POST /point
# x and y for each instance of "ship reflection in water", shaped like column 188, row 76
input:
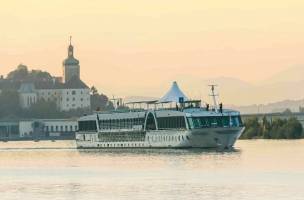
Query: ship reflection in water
column 57, row 170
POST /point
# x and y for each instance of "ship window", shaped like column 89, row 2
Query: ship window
column 86, row 126
column 150, row 123
column 214, row 121
column 225, row 121
column 174, row 122
column 236, row 121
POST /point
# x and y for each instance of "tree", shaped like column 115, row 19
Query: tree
column 93, row 90
column 44, row 109
column 277, row 131
column 253, row 128
column 287, row 111
column 9, row 104
column 293, row 129
column 99, row 101
column 38, row 75
column 266, row 126
column 20, row 73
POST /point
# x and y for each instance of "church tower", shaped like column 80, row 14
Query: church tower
column 71, row 66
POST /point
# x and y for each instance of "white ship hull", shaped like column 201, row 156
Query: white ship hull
column 197, row 138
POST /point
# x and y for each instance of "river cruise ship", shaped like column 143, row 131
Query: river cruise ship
column 182, row 124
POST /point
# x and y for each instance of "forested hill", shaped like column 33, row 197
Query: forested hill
column 9, row 97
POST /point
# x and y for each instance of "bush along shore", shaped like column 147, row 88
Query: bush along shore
column 272, row 129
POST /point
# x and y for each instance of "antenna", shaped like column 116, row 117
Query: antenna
column 213, row 95
column 70, row 39
column 116, row 102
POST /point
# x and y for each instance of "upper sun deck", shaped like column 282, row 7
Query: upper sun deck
column 160, row 112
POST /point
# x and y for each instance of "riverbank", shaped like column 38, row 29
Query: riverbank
column 276, row 128
column 36, row 139
column 41, row 144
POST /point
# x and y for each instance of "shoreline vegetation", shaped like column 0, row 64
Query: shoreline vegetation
column 272, row 129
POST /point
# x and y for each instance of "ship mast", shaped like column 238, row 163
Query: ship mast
column 213, row 95
column 116, row 102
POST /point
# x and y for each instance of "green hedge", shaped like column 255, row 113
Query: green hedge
column 275, row 129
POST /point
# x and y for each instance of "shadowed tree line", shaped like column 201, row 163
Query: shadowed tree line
column 10, row 107
column 23, row 74
column 275, row 129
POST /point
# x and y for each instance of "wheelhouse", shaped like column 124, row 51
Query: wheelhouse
column 196, row 122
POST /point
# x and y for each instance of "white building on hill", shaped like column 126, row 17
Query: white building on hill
column 72, row 94
column 27, row 95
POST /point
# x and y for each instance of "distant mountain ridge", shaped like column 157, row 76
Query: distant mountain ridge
column 292, row 74
column 275, row 107
column 285, row 90
column 287, row 84
column 279, row 92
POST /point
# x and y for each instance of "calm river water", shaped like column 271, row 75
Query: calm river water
column 257, row 169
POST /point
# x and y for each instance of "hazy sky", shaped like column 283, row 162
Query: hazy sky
column 138, row 47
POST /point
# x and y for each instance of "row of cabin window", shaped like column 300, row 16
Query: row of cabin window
column 73, row 93
column 121, row 137
column 87, row 125
column 60, row 128
column 171, row 122
column 121, row 145
column 219, row 121
column 125, row 123
column 6, row 130
column 167, row 138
